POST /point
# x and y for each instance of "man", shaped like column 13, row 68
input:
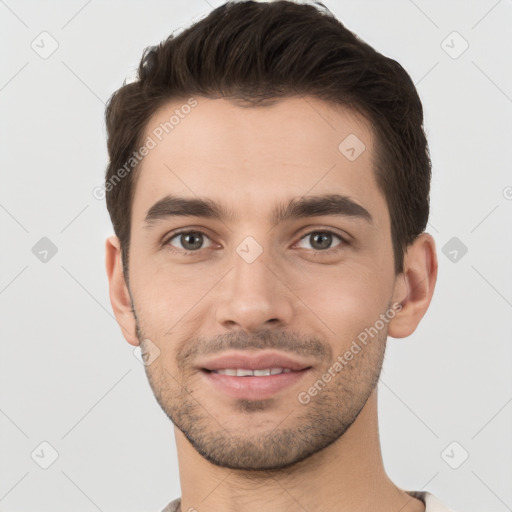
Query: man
column 269, row 189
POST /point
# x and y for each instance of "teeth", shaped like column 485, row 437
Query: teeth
column 260, row 373
column 242, row 372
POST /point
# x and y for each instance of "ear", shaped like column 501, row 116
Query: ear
column 414, row 286
column 119, row 294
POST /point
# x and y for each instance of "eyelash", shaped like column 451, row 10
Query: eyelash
column 185, row 252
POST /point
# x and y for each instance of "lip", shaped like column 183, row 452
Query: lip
column 253, row 387
column 255, row 361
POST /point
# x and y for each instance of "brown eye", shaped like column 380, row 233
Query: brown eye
column 189, row 240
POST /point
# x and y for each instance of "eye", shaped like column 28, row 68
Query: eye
column 189, row 241
column 321, row 240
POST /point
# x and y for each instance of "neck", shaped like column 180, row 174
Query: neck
column 347, row 476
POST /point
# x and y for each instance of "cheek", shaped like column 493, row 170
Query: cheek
column 345, row 300
column 167, row 297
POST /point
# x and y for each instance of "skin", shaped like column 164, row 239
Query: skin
column 298, row 295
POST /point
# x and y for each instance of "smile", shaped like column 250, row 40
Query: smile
column 243, row 372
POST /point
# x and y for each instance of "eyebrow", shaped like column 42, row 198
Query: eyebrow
column 306, row 206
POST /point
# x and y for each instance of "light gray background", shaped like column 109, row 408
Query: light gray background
column 67, row 377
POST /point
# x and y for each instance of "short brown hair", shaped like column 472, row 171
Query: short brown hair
column 259, row 52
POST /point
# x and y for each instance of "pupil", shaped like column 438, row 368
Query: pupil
column 324, row 240
column 191, row 245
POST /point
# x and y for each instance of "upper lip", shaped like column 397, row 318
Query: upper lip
column 255, row 361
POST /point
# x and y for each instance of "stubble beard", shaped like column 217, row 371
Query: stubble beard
column 301, row 430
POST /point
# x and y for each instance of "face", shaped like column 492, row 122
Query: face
column 260, row 252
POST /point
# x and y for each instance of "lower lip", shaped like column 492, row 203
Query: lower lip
column 253, row 388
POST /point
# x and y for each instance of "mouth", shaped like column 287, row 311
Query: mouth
column 253, row 377
column 246, row 372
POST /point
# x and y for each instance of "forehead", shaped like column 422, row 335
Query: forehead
column 247, row 157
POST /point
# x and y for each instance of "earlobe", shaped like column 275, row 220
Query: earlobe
column 415, row 286
column 118, row 291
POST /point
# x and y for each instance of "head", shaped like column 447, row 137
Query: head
column 268, row 186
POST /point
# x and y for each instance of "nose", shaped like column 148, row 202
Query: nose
column 254, row 296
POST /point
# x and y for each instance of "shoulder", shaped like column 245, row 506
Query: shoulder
column 432, row 503
column 174, row 506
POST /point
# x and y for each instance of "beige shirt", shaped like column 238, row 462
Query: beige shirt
column 432, row 504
